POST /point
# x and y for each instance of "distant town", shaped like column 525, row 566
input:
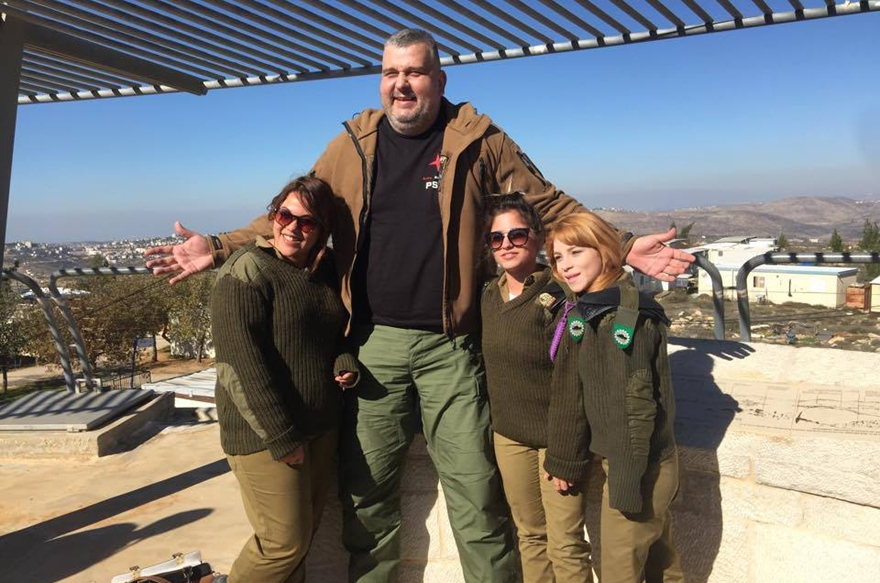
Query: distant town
column 39, row 260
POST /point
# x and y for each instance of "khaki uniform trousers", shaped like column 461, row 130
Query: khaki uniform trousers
column 284, row 505
column 639, row 547
column 550, row 525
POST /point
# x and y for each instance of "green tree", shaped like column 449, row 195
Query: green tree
column 115, row 310
column 12, row 339
column 870, row 241
column 189, row 315
column 685, row 232
column 836, row 242
column 782, row 241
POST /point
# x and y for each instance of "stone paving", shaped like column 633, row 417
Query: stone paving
column 796, row 499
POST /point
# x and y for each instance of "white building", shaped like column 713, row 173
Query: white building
column 807, row 284
column 875, row 295
column 737, row 250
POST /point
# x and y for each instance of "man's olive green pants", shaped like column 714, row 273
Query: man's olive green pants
column 409, row 376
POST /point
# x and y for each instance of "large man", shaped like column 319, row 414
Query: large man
column 414, row 177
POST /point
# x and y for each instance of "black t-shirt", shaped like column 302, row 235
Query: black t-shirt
column 399, row 273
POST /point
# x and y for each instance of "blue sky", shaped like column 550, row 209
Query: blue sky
column 749, row 115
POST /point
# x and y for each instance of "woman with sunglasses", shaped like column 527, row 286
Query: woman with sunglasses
column 518, row 317
column 612, row 396
column 278, row 325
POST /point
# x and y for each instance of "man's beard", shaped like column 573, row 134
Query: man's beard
column 410, row 124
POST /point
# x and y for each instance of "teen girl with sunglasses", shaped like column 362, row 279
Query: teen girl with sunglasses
column 278, row 324
column 612, row 396
column 518, row 311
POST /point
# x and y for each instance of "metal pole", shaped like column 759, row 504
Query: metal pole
column 742, row 276
column 134, row 350
column 46, row 305
column 78, row 341
column 717, row 293
column 11, row 45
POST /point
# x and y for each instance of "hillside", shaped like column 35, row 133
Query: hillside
column 798, row 218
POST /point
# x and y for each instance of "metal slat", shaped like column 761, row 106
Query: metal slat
column 571, row 17
column 373, row 13
column 97, row 39
column 36, row 58
column 74, row 48
column 62, row 74
column 306, row 17
column 731, row 9
column 564, row 32
column 247, row 16
column 796, row 4
column 457, row 7
column 346, row 17
column 53, row 82
column 634, row 14
column 148, row 32
column 233, row 31
column 161, row 24
column 604, row 16
column 763, row 7
column 698, row 10
column 437, row 31
column 458, row 25
column 513, row 21
column 37, row 89
column 667, row 13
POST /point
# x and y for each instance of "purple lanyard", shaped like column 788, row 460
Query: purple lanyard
column 560, row 328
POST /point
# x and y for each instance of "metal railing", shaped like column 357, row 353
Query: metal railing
column 64, row 307
column 742, row 292
column 46, row 302
column 717, row 293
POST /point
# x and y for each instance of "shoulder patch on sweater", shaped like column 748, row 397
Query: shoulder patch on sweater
column 243, row 266
column 552, row 297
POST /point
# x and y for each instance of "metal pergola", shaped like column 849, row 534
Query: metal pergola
column 69, row 50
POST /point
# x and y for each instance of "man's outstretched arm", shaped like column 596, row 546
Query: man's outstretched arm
column 200, row 252
column 187, row 258
column 650, row 255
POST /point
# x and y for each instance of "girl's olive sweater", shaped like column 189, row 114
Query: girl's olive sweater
column 617, row 403
column 277, row 332
column 516, row 339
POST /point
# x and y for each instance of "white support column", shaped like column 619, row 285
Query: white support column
column 11, row 45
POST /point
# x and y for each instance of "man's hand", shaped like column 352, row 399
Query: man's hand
column 294, row 458
column 346, row 379
column 185, row 259
column 651, row 256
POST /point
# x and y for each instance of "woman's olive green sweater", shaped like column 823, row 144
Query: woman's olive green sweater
column 277, row 332
column 516, row 339
column 617, row 403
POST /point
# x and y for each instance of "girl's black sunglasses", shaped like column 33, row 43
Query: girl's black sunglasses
column 517, row 237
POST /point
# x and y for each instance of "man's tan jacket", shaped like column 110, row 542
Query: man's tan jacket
column 477, row 159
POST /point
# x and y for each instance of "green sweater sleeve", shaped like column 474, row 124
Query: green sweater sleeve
column 346, row 361
column 244, row 355
column 568, row 433
column 640, row 405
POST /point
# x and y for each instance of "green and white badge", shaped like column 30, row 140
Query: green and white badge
column 576, row 328
column 623, row 335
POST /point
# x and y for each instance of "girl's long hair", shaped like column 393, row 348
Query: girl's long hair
column 586, row 229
